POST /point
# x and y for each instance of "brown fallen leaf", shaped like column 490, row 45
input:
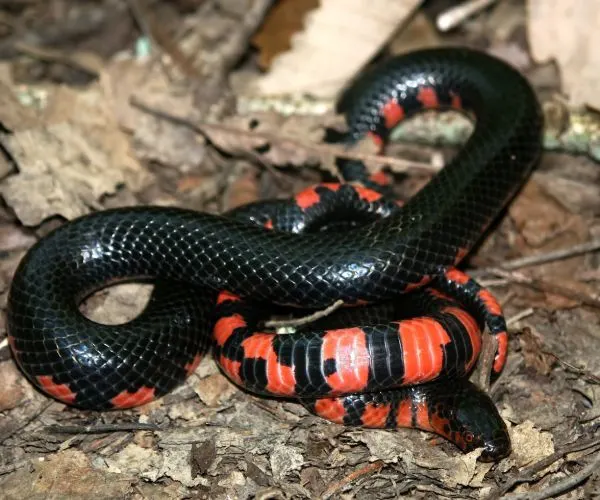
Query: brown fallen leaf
column 532, row 349
column 214, row 389
column 545, row 225
column 11, row 391
column 273, row 139
column 243, row 190
column 348, row 33
column 68, row 474
column 284, row 19
column 153, row 140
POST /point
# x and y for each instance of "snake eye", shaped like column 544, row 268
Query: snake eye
column 469, row 437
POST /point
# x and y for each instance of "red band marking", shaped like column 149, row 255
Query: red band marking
column 348, row 347
column 413, row 286
column 393, row 113
column 404, row 414
column 128, row 399
column 331, row 409
column 422, row 340
column 502, row 352
column 377, row 140
column 366, row 194
column 309, row 197
column 12, row 342
column 457, row 276
column 460, row 255
column 226, row 297
column 224, row 328
column 280, row 378
column 380, row 178
column 231, row 369
column 439, row 425
column 440, row 295
column 470, row 325
column 191, row 367
column 428, row 98
column 375, row 416
column 422, row 417
column 491, row 304
column 62, row 392
column 456, row 101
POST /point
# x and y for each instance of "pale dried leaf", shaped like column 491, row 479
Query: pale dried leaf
column 154, row 139
column 67, row 474
column 71, row 160
column 529, row 444
column 214, row 389
column 61, row 173
column 347, row 33
column 421, row 456
column 11, row 391
column 289, row 140
column 134, row 459
column 567, row 32
column 285, row 459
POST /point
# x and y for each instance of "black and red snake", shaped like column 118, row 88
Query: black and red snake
column 418, row 334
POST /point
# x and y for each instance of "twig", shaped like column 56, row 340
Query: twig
column 486, row 360
column 518, row 317
column 576, row 369
column 487, row 283
column 238, row 42
column 590, row 299
column 276, row 323
column 527, row 474
column 100, row 428
column 67, row 58
column 544, row 258
column 322, row 150
column 363, row 471
column 562, row 485
column 213, row 86
column 453, row 16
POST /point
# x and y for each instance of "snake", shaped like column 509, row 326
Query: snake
column 218, row 276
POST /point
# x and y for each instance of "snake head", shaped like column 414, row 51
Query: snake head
column 467, row 417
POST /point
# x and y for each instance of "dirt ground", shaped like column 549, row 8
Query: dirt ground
column 120, row 103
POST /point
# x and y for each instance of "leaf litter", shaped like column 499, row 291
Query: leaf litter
column 73, row 148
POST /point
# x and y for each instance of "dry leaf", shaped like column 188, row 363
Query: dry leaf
column 567, row 32
column 532, row 349
column 544, row 223
column 274, row 139
column 284, row 19
column 68, row 474
column 529, row 444
column 11, row 391
column 155, row 140
column 68, row 161
column 341, row 36
column 214, row 389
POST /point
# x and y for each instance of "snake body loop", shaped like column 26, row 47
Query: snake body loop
column 393, row 252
